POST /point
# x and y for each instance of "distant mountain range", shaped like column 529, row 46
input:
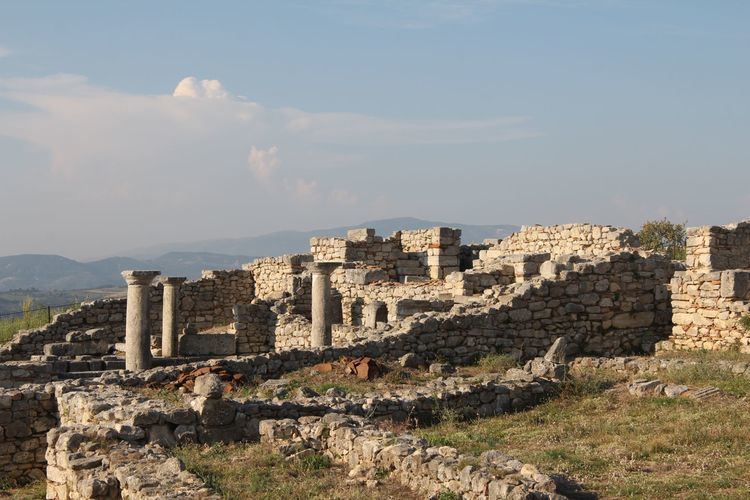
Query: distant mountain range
column 283, row 242
column 54, row 272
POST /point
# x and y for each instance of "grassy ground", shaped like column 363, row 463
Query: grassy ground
column 626, row 447
column 33, row 491
column 9, row 326
column 255, row 471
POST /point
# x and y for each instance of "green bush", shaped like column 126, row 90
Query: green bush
column 665, row 237
column 745, row 322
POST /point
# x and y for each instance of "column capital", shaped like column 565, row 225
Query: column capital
column 323, row 266
column 140, row 277
column 174, row 280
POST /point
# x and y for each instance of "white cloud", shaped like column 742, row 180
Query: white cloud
column 264, row 163
column 203, row 161
column 4, row 51
column 203, row 89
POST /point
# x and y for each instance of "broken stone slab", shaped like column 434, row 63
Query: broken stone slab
column 556, row 352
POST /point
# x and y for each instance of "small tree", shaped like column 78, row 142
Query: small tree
column 664, row 237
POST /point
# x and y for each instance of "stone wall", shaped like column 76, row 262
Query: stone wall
column 711, row 296
column 205, row 303
column 25, row 417
column 432, row 471
column 276, row 276
column 109, row 313
column 253, row 326
column 717, row 248
column 430, row 252
column 586, row 240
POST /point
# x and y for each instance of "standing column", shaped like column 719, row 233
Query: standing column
column 137, row 331
column 321, row 302
column 170, row 316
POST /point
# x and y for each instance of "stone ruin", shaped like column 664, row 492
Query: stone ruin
column 582, row 292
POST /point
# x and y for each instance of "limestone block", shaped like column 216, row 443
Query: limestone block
column 361, row 235
column 735, row 283
column 208, row 344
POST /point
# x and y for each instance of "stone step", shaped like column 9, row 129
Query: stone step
column 78, row 375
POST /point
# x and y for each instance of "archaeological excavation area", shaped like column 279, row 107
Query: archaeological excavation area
column 561, row 362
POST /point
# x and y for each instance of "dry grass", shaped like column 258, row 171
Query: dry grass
column 621, row 446
column 33, row 491
column 240, row 471
column 9, row 326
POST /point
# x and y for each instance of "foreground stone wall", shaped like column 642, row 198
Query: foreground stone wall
column 711, row 296
column 25, row 417
column 433, row 471
column 586, row 240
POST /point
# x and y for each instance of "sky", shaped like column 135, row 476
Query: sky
column 128, row 124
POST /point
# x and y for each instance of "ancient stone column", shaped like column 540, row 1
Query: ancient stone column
column 170, row 316
column 137, row 331
column 321, row 302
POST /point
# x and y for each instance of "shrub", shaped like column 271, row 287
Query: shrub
column 664, row 237
column 745, row 322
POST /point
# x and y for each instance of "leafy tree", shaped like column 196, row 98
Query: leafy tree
column 664, row 237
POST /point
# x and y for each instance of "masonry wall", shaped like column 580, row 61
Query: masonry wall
column 586, row 240
column 25, row 417
column 718, row 248
column 206, row 302
column 711, row 296
column 100, row 313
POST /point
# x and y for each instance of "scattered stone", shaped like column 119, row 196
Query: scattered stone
column 209, row 385
column 442, row 368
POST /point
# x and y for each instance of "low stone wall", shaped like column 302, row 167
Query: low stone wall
column 706, row 309
column 100, row 462
column 105, row 313
column 637, row 365
column 205, row 303
column 587, row 240
column 18, row 373
column 429, row 470
column 25, row 417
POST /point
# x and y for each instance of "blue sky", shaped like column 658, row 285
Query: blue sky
column 335, row 112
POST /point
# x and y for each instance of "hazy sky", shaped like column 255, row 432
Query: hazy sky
column 125, row 124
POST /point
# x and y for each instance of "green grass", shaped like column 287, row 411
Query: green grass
column 9, row 326
column 33, row 491
column 621, row 446
column 239, row 471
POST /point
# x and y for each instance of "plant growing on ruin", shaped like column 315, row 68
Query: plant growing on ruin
column 745, row 322
column 665, row 237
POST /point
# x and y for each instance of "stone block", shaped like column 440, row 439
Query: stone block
column 208, row 344
column 735, row 284
column 360, row 234
column 365, row 276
